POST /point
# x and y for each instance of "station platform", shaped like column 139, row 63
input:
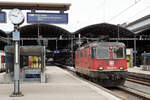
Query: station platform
column 138, row 72
column 61, row 85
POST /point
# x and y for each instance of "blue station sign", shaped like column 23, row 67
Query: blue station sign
column 56, row 51
column 2, row 17
column 47, row 17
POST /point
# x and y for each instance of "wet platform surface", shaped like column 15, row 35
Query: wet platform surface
column 138, row 70
column 138, row 73
column 61, row 85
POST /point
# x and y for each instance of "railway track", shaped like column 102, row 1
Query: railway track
column 138, row 81
column 135, row 93
column 129, row 94
column 139, row 78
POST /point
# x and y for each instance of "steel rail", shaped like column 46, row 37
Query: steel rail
column 138, row 81
column 135, row 92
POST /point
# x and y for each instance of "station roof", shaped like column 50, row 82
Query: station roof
column 45, row 31
column 35, row 6
column 26, row 50
column 104, row 29
column 139, row 25
column 52, row 31
column 138, row 20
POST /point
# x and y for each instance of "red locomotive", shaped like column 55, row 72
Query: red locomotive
column 102, row 61
column 2, row 61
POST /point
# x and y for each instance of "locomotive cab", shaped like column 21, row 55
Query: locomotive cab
column 109, row 58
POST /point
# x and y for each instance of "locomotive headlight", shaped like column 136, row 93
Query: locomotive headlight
column 100, row 68
column 121, row 68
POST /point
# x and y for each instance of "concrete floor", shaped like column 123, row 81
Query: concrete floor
column 61, row 86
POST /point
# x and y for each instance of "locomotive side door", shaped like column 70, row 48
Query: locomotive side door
column 89, row 58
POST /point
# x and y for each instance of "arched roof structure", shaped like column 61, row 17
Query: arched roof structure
column 104, row 29
column 2, row 33
column 45, row 31
column 144, row 32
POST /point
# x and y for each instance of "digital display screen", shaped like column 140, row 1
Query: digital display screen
column 47, row 18
column 2, row 17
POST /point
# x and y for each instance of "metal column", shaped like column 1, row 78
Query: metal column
column 16, row 38
column 16, row 69
column 118, row 33
column 135, row 51
column 72, row 51
column 56, row 45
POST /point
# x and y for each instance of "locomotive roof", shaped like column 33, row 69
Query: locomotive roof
column 103, row 44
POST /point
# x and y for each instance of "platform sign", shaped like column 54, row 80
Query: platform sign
column 2, row 17
column 47, row 18
column 56, row 51
column 16, row 36
column 134, row 52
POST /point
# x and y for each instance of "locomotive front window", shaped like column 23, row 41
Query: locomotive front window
column 118, row 52
column 102, row 52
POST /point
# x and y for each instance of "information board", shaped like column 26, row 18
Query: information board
column 2, row 17
column 16, row 36
column 47, row 17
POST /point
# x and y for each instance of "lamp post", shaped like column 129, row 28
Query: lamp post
column 16, row 17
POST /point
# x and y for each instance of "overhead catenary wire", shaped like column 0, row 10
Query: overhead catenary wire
column 117, row 15
column 138, row 13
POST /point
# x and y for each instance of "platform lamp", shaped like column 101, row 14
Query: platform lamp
column 17, row 18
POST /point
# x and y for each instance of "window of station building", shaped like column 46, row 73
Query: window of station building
column 85, row 53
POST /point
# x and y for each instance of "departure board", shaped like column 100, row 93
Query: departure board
column 47, row 18
column 2, row 17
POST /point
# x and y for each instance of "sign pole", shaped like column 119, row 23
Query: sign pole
column 135, row 51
